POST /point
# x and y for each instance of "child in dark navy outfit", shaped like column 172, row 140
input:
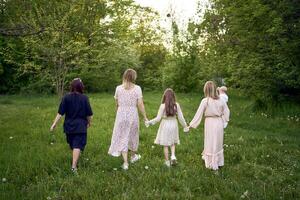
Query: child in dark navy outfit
column 78, row 113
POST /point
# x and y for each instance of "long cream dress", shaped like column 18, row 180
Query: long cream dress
column 168, row 133
column 216, row 112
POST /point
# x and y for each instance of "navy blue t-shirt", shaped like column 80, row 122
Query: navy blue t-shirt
column 77, row 108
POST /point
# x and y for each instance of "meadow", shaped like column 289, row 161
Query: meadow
column 262, row 154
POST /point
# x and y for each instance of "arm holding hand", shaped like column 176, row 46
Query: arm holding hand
column 142, row 108
column 198, row 116
column 158, row 116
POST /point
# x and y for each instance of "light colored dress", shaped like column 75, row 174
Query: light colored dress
column 214, row 111
column 168, row 133
column 126, row 128
column 224, row 97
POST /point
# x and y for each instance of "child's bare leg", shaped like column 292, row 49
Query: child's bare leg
column 76, row 154
column 125, row 157
column 166, row 152
column 173, row 151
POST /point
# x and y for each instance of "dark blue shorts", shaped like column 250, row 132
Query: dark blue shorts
column 77, row 141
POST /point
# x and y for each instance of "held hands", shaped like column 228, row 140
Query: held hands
column 147, row 123
column 186, row 129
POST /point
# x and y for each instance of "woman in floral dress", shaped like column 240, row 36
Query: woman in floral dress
column 129, row 100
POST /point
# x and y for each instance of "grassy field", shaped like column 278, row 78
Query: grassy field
column 262, row 155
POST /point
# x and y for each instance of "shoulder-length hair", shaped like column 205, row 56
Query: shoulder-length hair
column 77, row 86
column 170, row 102
column 129, row 78
column 210, row 90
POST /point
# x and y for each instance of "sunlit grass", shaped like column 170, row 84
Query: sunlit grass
column 261, row 155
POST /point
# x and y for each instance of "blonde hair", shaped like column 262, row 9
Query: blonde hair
column 223, row 88
column 129, row 78
column 210, row 90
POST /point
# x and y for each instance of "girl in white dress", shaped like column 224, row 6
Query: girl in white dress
column 167, row 134
column 215, row 110
column 222, row 94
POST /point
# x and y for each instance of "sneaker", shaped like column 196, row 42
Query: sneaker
column 135, row 158
column 173, row 160
column 125, row 166
column 167, row 163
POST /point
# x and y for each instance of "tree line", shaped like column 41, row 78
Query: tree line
column 252, row 45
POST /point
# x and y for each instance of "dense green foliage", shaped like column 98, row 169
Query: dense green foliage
column 261, row 155
column 53, row 42
column 253, row 45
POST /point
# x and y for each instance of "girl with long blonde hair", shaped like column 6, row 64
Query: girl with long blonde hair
column 216, row 113
column 129, row 99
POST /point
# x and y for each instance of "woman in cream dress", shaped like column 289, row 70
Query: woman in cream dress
column 216, row 113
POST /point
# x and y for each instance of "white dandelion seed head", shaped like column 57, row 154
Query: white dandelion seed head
column 4, row 180
column 11, row 137
column 115, row 169
column 146, row 167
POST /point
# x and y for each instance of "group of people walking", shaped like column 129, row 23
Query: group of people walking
column 129, row 102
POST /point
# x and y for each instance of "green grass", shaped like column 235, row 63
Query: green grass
column 262, row 155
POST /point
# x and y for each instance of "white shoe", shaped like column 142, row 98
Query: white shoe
column 173, row 160
column 167, row 163
column 125, row 166
column 135, row 158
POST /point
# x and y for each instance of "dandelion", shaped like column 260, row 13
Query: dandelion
column 115, row 169
column 4, row 180
column 87, row 159
column 48, row 198
column 51, row 143
column 11, row 137
column 103, row 171
column 268, row 156
column 225, row 145
column 146, row 167
column 152, row 147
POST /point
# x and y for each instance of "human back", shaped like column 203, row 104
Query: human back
column 128, row 97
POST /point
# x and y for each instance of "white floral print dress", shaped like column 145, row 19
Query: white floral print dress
column 126, row 128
